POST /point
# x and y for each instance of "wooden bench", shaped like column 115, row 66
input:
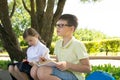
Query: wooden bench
column 105, row 57
column 98, row 57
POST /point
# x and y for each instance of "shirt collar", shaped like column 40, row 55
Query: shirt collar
column 68, row 44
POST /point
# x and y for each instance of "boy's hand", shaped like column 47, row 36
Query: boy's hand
column 62, row 65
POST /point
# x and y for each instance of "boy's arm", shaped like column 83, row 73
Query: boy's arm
column 83, row 67
column 56, row 58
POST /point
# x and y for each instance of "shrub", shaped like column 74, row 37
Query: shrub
column 107, row 45
column 110, row 45
column 114, row 71
column 92, row 46
column 52, row 48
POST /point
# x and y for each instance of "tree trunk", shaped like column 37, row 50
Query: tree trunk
column 9, row 40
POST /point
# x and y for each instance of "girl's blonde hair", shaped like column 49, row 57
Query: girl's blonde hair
column 32, row 32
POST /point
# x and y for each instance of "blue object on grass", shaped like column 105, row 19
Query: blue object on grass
column 100, row 75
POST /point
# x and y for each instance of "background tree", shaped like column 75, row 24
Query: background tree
column 21, row 19
column 7, row 34
column 84, row 34
column 89, row 35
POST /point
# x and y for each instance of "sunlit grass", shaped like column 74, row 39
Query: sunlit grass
column 3, row 53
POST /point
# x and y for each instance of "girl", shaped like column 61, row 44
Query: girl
column 36, row 50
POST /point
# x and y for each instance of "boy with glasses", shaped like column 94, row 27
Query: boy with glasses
column 70, row 53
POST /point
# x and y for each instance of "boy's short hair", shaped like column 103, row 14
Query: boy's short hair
column 71, row 19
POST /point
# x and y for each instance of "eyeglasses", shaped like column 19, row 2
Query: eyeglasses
column 61, row 25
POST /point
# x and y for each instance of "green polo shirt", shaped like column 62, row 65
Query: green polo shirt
column 72, row 52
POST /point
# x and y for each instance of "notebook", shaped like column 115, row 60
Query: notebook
column 47, row 63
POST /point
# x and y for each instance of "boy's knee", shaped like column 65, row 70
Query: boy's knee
column 33, row 74
column 40, row 73
column 43, row 72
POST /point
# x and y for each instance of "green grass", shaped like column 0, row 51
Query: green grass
column 4, row 64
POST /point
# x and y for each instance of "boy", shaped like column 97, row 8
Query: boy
column 71, row 54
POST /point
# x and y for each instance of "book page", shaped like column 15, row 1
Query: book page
column 47, row 63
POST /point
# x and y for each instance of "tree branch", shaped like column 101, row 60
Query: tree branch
column 26, row 7
column 59, row 10
column 34, row 23
column 32, row 6
column 50, row 6
column 0, row 10
column 4, row 14
column 57, row 14
column 0, row 15
column 0, row 31
column 13, row 9
column 40, row 6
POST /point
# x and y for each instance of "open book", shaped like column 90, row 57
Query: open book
column 47, row 63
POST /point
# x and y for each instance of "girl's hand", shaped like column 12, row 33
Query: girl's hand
column 62, row 65
column 24, row 60
column 42, row 59
column 31, row 63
